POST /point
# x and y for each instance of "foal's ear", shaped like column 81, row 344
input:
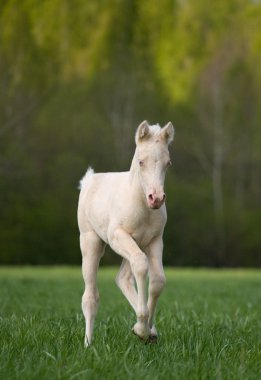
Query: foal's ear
column 143, row 132
column 168, row 132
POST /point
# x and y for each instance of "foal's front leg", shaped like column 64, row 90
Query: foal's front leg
column 156, row 279
column 123, row 244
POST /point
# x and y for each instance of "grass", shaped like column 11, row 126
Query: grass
column 209, row 324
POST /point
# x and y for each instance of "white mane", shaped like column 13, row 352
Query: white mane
column 154, row 129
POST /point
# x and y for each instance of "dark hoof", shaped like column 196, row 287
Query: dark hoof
column 152, row 339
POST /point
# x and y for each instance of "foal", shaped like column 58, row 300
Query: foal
column 127, row 211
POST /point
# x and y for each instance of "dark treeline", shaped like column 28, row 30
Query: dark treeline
column 76, row 78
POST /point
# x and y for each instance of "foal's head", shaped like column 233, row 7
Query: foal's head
column 153, row 158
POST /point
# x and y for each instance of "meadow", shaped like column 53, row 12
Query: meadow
column 208, row 321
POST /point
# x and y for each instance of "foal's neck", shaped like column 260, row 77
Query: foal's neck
column 133, row 168
column 135, row 184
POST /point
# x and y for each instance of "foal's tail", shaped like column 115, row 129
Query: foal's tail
column 85, row 179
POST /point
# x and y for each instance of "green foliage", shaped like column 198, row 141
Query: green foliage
column 75, row 81
column 209, row 327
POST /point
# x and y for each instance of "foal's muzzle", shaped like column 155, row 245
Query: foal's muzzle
column 155, row 201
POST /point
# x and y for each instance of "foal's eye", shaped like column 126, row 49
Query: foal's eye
column 141, row 162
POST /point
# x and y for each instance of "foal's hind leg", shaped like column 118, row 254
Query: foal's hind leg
column 92, row 249
column 126, row 282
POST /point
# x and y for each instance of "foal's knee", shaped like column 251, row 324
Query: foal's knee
column 157, row 284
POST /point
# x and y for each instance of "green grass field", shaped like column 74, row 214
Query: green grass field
column 209, row 324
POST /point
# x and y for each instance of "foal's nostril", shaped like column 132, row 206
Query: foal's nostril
column 156, row 199
column 151, row 197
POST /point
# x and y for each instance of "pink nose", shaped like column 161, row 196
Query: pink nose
column 156, row 200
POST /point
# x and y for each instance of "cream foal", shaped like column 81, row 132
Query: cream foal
column 127, row 211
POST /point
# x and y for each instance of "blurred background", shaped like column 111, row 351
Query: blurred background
column 76, row 79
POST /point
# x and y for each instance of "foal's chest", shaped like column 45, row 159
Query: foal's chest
column 144, row 229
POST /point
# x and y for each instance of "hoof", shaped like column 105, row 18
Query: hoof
column 151, row 339
column 86, row 343
column 142, row 332
column 142, row 338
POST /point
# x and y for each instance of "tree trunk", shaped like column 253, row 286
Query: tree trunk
column 217, row 173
